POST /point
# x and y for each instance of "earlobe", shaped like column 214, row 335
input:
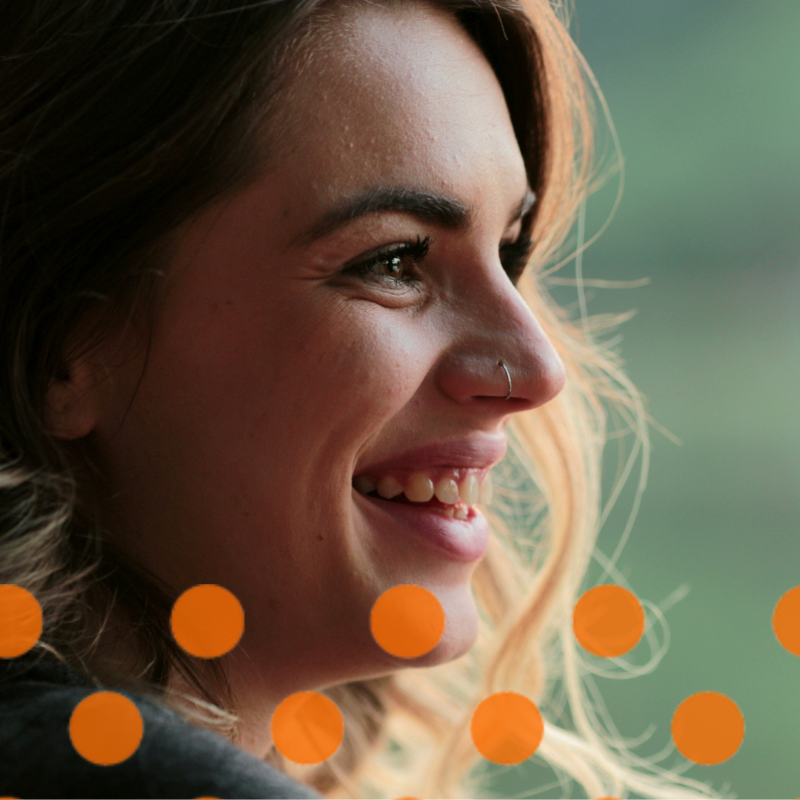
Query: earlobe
column 70, row 409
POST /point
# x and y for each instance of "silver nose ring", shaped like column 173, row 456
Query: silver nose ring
column 508, row 377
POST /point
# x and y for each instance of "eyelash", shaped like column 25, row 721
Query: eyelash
column 416, row 250
column 514, row 256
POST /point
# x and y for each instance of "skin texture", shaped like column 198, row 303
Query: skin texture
column 272, row 376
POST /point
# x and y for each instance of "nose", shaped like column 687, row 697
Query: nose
column 495, row 324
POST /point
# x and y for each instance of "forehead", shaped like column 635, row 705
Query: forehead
column 398, row 94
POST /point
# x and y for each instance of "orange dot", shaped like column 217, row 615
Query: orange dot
column 786, row 620
column 207, row 620
column 106, row 728
column 507, row 728
column 20, row 620
column 307, row 727
column 708, row 727
column 407, row 620
column 608, row 621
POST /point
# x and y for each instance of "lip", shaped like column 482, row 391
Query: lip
column 460, row 540
column 478, row 452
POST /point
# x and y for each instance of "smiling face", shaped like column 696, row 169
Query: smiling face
column 278, row 371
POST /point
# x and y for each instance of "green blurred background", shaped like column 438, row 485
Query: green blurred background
column 705, row 96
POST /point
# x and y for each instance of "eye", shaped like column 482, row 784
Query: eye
column 514, row 256
column 389, row 265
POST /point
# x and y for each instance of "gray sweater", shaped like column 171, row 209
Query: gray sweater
column 175, row 759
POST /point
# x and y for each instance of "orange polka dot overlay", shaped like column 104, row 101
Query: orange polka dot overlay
column 20, row 620
column 608, row 621
column 207, row 621
column 507, row 728
column 106, row 728
column 786, row 620
column 708, row 728
column 407, row 620
column 307, row 727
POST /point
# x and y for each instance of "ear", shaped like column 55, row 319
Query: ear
column 71, row 403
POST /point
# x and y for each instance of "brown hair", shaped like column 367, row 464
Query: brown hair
column 120, row 121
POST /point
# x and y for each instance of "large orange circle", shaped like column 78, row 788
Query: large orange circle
column 307, row 727
column 106, row 728
column 608, row 621
column 20, row 620
column 786, row 620
column 708, row 728
column 207, row 620
column 507, row 728
column 407, row 620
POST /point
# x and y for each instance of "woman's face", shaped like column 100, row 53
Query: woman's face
column 277, row 373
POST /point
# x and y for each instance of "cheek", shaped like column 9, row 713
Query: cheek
column 361, row 364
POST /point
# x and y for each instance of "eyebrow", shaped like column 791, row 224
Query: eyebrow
column 441, row 210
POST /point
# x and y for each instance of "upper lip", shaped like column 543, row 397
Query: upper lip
column 478, row 452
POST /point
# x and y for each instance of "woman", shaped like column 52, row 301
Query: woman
column 271, row 276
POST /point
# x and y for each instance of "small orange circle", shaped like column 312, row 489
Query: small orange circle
column 708, row 727
column 307, row 727
column 507, row 728
column 786, row 620
column 20, row 620
column 207, row 620
column 407, row 620
column 608, row 621
column 106, row 728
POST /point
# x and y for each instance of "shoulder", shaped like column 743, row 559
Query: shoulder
column 174, row 758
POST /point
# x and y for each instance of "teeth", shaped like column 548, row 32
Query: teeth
column 447, row 490
column 460, row 512
column 363, row 484
column 485, row 495
column 419, row 488
column 389, row 487
column 469, row 490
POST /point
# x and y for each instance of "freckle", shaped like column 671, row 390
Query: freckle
column 321, row 538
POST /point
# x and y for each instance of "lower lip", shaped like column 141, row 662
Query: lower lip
column 462, row 540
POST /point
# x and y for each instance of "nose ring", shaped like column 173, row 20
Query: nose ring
column 508, row 377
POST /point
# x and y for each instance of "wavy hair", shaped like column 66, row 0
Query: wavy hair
column 119, row 121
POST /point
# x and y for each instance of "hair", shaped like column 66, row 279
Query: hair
column 120, row 121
